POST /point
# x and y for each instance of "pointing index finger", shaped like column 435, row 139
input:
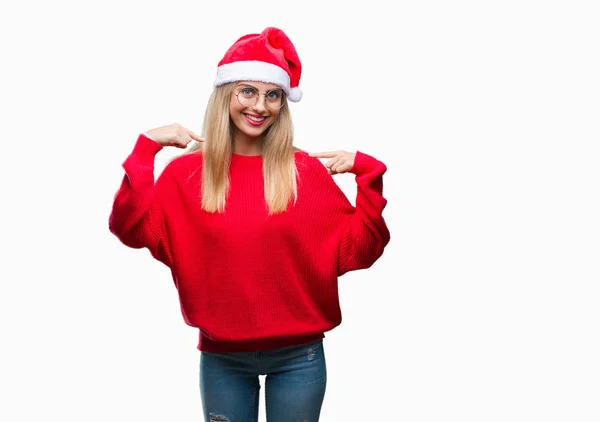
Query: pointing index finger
column 328, row 154
column 194, row 136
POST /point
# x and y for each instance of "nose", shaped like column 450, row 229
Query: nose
column 260, row 105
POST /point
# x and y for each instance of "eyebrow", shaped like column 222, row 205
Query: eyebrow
column 256, row 88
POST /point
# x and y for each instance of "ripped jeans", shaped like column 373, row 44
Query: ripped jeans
column 294, row 384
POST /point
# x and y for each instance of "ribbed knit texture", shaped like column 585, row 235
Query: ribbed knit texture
column 247, row 280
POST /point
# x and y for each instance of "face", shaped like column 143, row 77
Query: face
column 252, row 119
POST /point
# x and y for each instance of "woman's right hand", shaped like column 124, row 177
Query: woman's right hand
column 173, row 135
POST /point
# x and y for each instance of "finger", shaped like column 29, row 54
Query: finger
column 344, row 168
column 338, row 165
column 331, row 163
column 182, row 143
column 194, row 136
column 328, row 154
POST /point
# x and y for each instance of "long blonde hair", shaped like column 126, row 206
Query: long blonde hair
column 279, row 168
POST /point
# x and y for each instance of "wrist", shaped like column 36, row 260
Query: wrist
column 364, row 163
column 146, row 148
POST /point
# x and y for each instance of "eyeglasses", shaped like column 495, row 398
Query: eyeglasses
column 248, row 97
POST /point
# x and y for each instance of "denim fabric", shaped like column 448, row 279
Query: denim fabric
column 295, row 382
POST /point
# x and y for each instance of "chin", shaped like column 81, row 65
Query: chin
column 253, row 132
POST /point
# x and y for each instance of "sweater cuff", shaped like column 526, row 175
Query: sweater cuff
column 364, row 163
column 145, row 149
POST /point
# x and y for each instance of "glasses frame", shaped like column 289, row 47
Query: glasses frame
column 239, row 91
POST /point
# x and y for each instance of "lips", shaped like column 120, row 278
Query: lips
column 255, row 120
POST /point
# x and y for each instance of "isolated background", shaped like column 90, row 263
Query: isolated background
column 484, row 306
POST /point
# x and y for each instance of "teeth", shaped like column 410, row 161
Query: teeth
column 256, row 119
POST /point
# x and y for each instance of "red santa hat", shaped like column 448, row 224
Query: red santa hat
column 266, row 57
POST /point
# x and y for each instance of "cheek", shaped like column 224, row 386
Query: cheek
column 232, row 106
column 274, row 116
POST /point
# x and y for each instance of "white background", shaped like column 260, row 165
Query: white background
column 484, row 306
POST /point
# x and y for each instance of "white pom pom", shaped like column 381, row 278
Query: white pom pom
column 295, row 95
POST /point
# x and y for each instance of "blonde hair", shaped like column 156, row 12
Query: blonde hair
column 279, row 168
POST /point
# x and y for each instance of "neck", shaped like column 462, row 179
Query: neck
column 246, row 145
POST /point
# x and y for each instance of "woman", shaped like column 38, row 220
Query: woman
column 256, row 233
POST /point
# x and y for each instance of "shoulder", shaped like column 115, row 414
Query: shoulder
column 313, row 173
column 185, row 161
column 315, row 182
column 184, row 166
column 310, row 164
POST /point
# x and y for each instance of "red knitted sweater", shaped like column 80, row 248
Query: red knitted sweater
column 247, row 280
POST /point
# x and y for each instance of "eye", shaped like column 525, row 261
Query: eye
column 274, row 95
column 248, row 92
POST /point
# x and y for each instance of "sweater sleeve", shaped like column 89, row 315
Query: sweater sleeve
column 366, row 233
column 137, row 218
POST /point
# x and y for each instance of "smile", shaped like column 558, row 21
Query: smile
column 255, row 120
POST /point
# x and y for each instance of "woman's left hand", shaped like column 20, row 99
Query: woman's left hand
column 341, row 161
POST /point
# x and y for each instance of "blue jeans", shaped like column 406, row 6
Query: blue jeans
column 294, row 385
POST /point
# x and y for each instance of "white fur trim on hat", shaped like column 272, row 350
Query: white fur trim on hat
column 253, row 70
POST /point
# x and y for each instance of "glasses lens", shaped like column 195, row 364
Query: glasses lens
column 247, row 97
column 274, row 99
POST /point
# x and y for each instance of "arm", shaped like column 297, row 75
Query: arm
column 366, row 233
column 137, row 218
